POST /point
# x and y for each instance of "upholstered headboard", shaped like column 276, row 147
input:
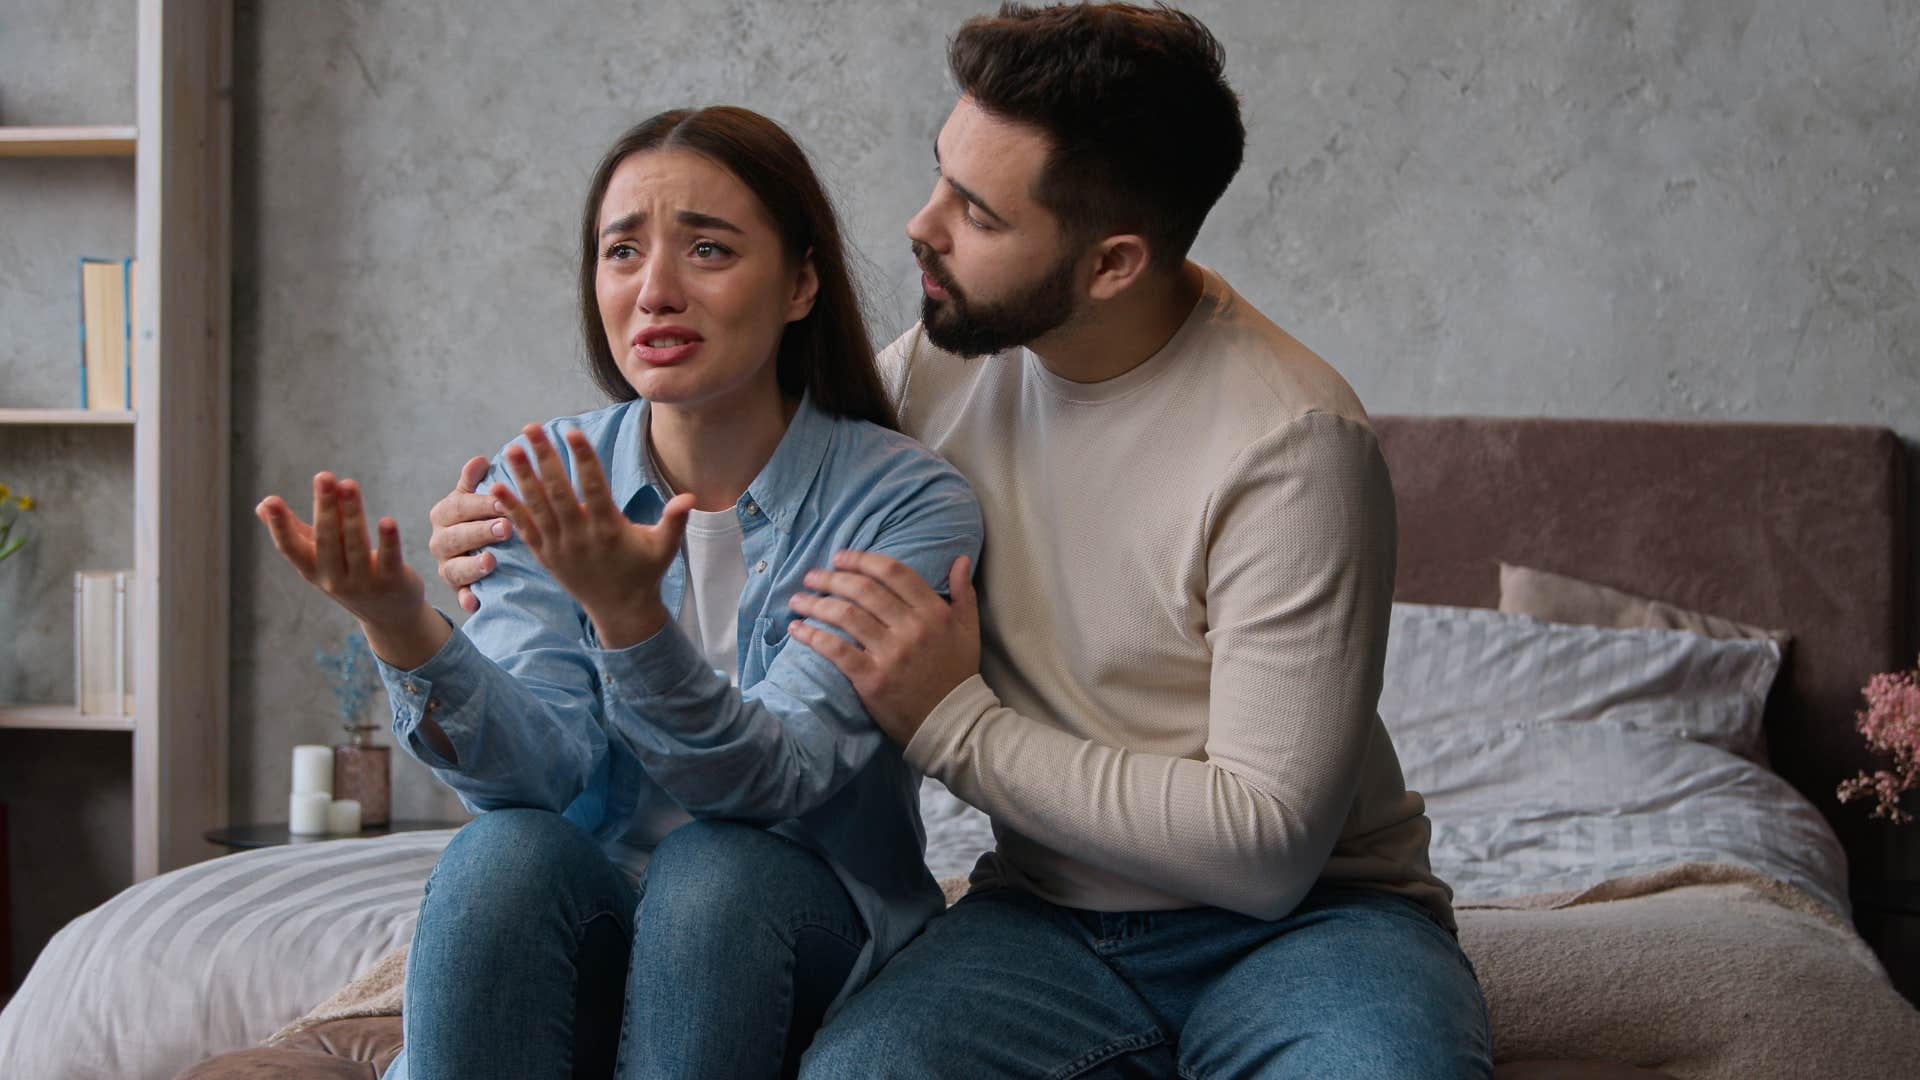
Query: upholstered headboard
column 1789, row 526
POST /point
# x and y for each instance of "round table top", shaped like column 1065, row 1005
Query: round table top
column 270, row 834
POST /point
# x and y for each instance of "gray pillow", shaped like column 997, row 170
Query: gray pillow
column 1554, row 757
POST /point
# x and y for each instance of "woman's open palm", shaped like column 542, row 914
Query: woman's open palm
column 376, row 586
column 612, row 566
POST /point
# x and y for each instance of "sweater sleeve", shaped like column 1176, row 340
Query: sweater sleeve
column 1300, row 544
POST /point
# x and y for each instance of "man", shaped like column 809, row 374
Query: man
column 1207, row 861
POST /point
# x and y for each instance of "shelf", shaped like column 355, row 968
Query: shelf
column 60, row 417
column 58, row 718
column 66, row 141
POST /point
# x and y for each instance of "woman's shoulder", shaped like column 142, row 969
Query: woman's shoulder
column 863, row 444
column 602, row 426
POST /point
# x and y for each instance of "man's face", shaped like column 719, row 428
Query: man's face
column 995, row 270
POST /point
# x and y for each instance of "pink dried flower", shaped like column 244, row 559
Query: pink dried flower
column 1891, row 724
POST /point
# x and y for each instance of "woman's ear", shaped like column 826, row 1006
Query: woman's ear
column 806, row 286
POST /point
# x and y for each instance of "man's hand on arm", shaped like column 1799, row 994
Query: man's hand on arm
column 910, row 647
column 464, row 523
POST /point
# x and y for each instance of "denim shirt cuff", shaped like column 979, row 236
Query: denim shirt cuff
column 412, row 695
column 655, row 667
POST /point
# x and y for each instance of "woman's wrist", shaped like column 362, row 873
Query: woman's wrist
column 629, row 624
column 410, row 643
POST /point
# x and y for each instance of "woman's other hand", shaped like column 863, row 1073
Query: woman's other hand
column 609, row 564
column 464, row 523
column 375, row 586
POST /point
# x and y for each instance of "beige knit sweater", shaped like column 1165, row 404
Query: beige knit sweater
column 1185, row 589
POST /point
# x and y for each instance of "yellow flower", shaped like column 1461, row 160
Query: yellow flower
column 4, row 492
column 25, row 501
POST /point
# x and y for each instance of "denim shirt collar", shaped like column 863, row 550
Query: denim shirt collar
column 777, row 491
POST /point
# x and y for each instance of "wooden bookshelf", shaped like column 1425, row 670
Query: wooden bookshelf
column 58, row 718
column 67, row 141
column 63, row 417
column 180, row 587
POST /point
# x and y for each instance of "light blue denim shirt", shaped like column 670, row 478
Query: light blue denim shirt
column 539, row 716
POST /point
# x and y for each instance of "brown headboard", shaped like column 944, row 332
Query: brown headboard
column 1793, row 526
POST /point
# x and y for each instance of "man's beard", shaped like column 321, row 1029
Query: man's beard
column 964, row 328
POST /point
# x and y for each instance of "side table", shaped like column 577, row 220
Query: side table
column 239, row 837
column 1887, row 914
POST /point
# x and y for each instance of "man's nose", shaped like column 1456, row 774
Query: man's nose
column 924, row 227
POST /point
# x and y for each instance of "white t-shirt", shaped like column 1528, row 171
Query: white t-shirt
column 716, row 576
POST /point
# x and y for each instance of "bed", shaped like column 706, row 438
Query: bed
column 1651, row 869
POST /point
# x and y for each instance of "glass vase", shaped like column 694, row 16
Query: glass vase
column 362, row 771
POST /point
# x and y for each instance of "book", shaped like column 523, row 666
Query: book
column 101, row 657
column 106, row 333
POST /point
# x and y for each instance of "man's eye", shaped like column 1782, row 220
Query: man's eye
column 966, row 211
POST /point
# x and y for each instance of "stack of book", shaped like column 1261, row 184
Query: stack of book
column 106, row 333
column 102, row 632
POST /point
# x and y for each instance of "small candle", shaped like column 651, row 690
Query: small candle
column 307, row 813
column 343, row 817
column 313, row 768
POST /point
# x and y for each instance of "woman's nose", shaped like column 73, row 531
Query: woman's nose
column 660, row 288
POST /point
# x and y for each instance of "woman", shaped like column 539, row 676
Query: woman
column 693, row 839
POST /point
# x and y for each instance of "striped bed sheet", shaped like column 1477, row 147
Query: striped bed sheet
column 222, row 954
column 212, row 957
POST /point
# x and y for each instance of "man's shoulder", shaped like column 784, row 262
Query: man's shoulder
column 1268, row 371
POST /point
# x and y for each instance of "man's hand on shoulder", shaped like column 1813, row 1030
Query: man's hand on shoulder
column 464, row 523
column 910, row 646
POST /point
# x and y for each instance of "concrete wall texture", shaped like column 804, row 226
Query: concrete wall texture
column 1618, row 208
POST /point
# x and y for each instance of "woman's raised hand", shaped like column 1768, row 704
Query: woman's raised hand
column 376, row 586
column 610, row 565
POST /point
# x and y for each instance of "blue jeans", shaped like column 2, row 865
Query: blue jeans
column 1354, row 983
column 534, row 957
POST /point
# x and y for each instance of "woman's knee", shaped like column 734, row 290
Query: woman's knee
column 504, row 859
column 729, row 868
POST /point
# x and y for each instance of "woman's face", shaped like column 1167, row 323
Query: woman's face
column 693, row 285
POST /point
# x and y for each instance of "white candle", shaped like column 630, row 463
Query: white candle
column 343, row 817
column 313, row 768
column 307, row 813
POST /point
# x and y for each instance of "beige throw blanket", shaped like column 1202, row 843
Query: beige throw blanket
column 1704, row 971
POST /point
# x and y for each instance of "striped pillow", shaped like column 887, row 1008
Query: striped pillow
column 1555, row 757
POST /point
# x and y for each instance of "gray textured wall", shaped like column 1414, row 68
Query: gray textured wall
column 1588, row 208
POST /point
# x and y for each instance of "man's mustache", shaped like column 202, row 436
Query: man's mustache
column 930, row 266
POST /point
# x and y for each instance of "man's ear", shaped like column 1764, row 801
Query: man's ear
column 1118, row 262
column 806, row 287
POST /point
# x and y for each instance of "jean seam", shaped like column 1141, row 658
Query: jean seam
column 1107, row 1052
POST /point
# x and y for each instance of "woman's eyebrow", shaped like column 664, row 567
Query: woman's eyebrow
column 630, row 222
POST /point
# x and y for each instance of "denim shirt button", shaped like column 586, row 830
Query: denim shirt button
column 752, row 507
column 760, row 567
column 410, row 686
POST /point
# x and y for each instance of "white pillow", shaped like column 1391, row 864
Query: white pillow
column 212, row 957
column 1554, row 757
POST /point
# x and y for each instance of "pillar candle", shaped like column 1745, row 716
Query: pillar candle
column 313, row 768
column 343, row 817
column 307, row 813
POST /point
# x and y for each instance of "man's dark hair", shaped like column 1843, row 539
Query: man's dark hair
column 1144, row 131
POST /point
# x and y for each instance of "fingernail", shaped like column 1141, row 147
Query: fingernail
column 812, row 578
column 500, row 529
column 793, row 625
column 499, row 507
